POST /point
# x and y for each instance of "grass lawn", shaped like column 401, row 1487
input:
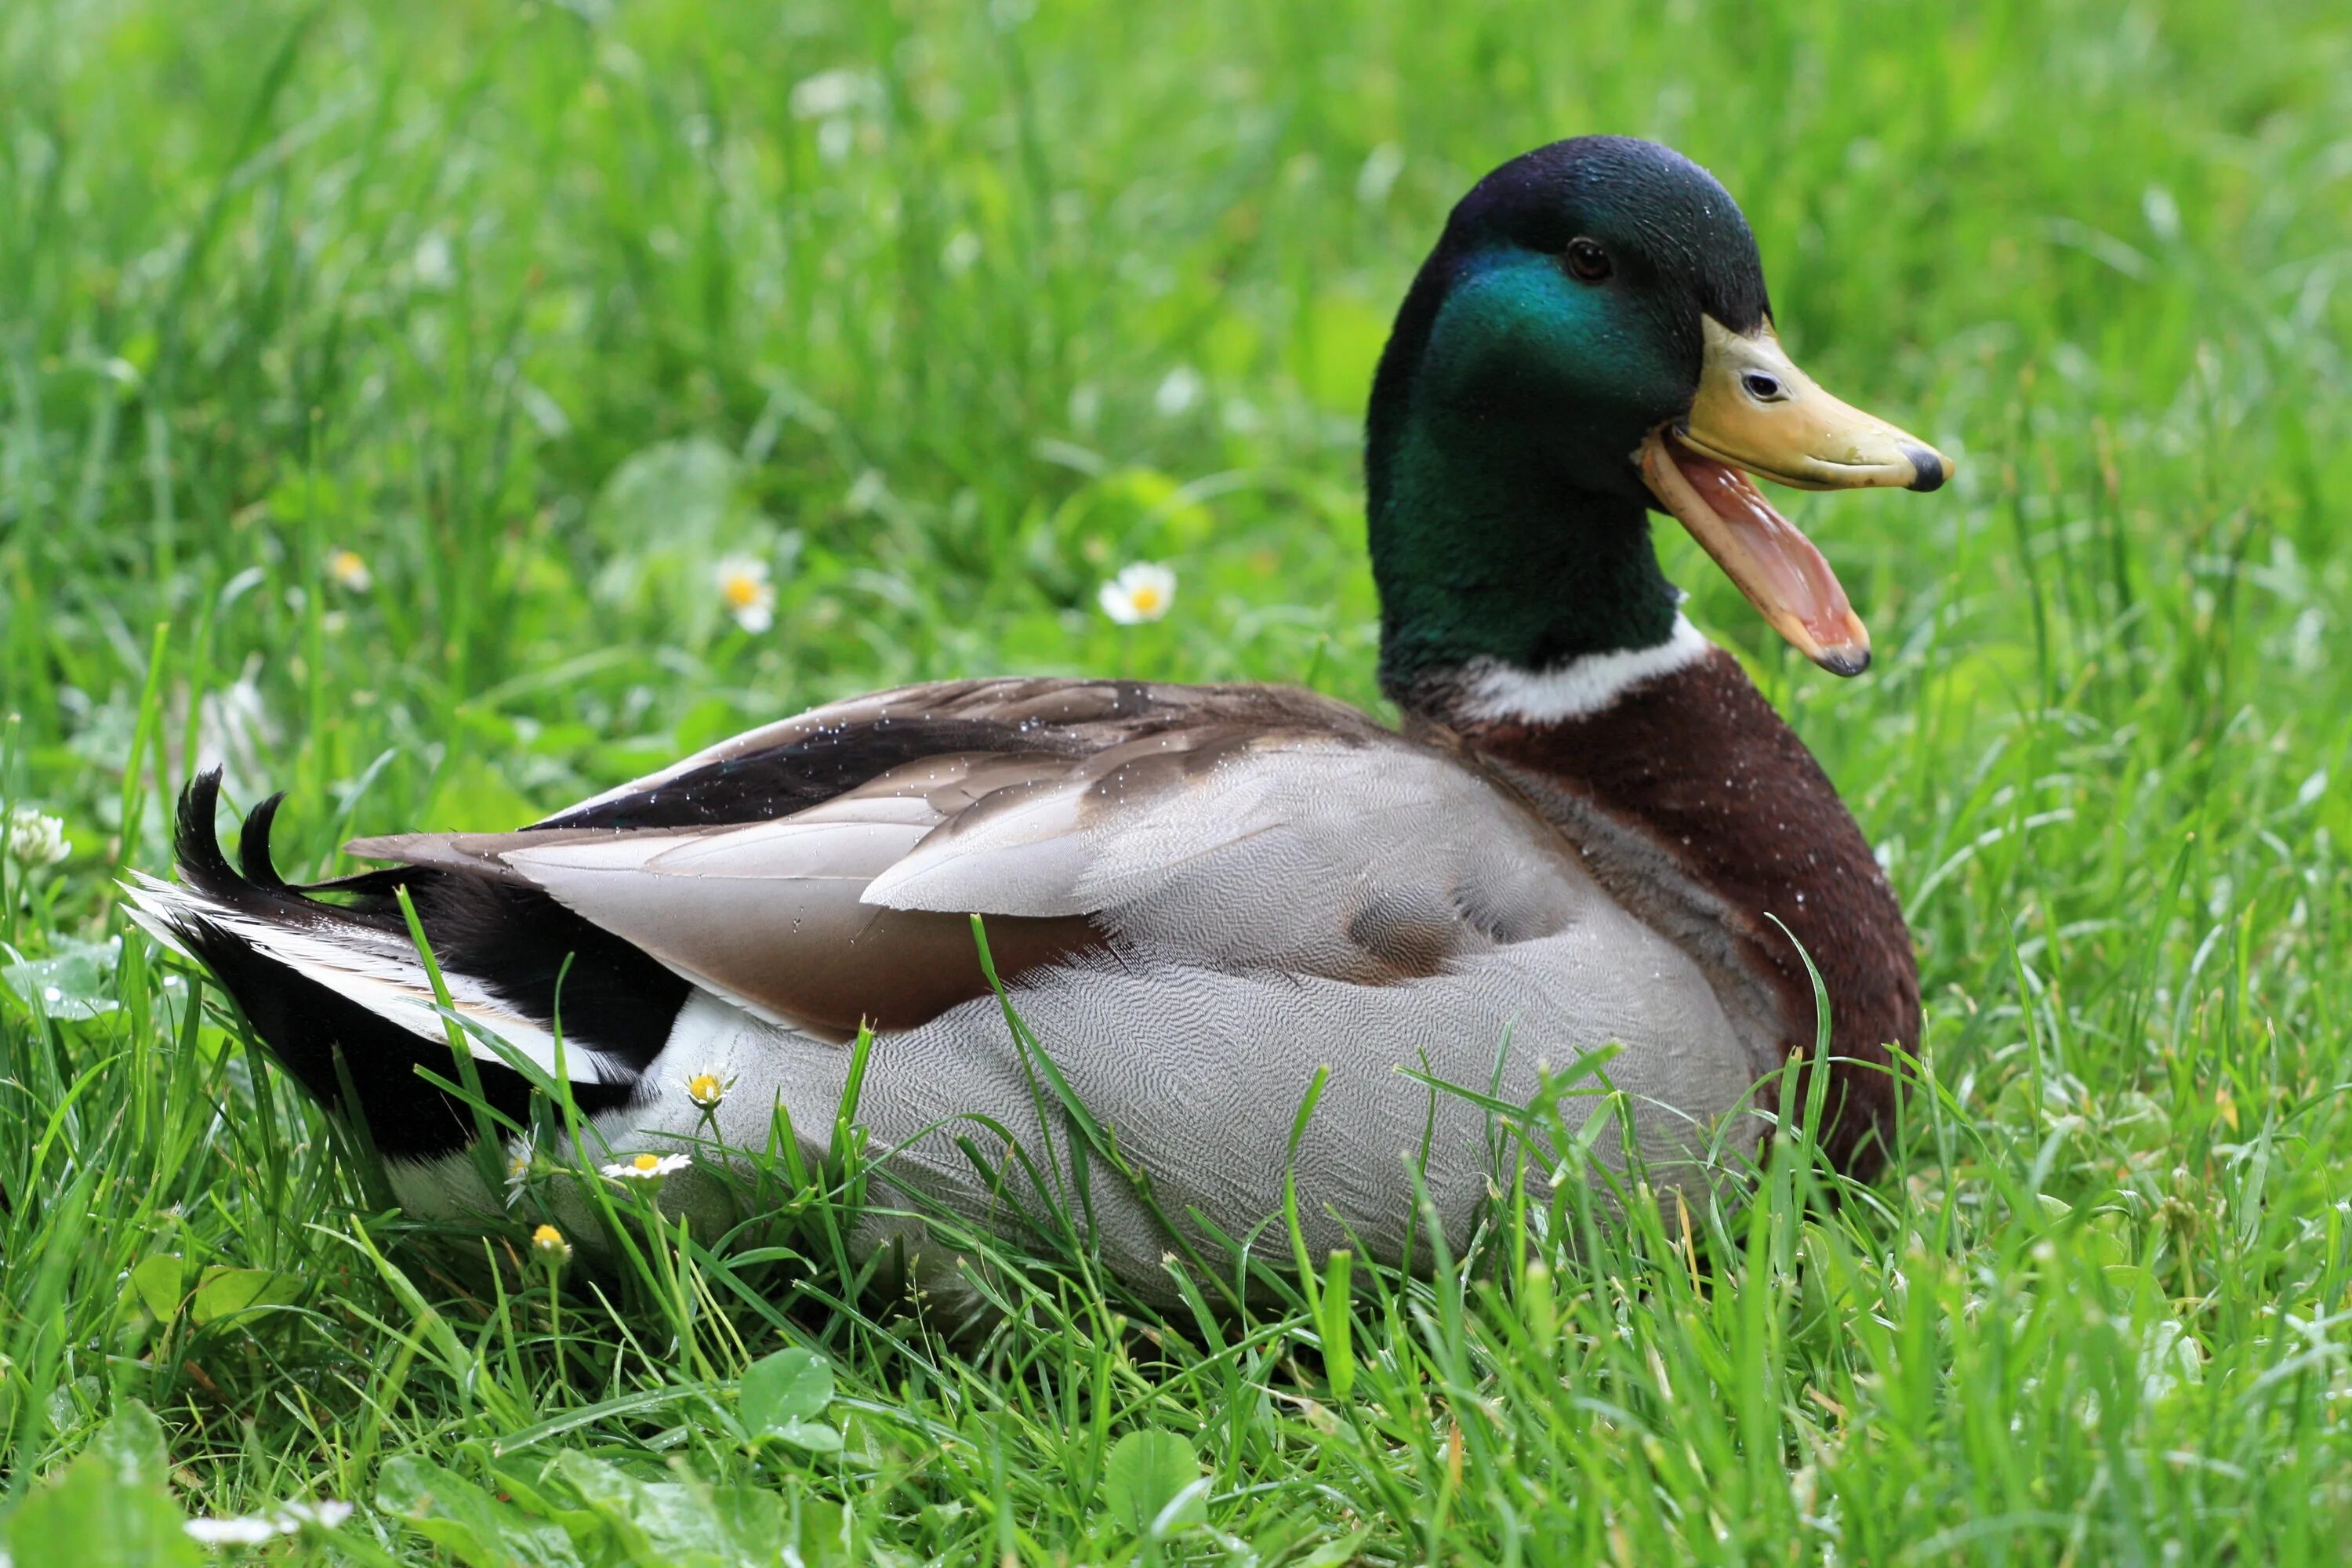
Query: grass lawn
column 381, row 388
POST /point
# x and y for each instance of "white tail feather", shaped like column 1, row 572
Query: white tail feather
column 372, row 969
column 151, row 901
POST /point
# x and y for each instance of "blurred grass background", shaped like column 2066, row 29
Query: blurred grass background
column 944, row 313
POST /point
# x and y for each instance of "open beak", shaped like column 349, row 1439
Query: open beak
column 1757, row 412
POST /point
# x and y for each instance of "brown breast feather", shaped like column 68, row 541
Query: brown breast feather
column 1700, row 765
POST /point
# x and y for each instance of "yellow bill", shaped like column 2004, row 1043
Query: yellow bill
column 1756, row 412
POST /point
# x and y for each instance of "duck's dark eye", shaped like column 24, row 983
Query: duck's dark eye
column 1763, row 387
column 1588, row 261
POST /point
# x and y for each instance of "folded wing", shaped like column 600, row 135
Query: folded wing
column 824, row 870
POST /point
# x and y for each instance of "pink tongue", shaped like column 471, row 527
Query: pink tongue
column 1780, row 567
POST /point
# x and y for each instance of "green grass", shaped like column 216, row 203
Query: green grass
column 948, row 310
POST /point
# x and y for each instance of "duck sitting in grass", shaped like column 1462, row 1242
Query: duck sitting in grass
column 1591, row 830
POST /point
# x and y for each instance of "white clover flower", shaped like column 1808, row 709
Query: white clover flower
column 1142, row 592
column 648, row 1169
column 247, row 1529
column 549, row 1243
column 745, row 593
column 36, row 838
column 348, row 568
column 707, row 1090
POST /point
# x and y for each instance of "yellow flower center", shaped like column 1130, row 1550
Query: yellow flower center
column 547, row 1236
column 740, row 590
column 704, row 1088
column 646, row 1161
column 1145, row 600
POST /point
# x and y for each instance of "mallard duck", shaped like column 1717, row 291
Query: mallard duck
column 1582, row 834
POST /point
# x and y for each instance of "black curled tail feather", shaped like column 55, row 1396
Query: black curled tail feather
column 515, row 941
column 253, row 886
column 197, row 852
column 253, row 846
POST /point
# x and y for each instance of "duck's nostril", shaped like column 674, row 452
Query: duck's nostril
column 1927, row 471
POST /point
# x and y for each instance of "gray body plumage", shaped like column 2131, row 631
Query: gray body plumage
column 1231, row 887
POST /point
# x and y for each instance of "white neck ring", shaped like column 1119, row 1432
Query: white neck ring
column 1492, row 690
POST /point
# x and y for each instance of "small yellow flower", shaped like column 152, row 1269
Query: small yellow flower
column 707, row 1090
column 348, row 568
column 552, row 1249
column 1142, row 592
column 746, row 594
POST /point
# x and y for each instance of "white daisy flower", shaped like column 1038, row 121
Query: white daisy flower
column 746, row 594
column 247, row 1529
column 707, row 1090
column 1141, row 592
column 348, row 568
column 521, row 1166
column 36, row 838
column 648, row 1169
column 255, row 1529
column 327, row 1515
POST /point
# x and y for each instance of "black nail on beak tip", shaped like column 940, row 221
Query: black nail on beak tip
column 1926, row 468
column 1845, row 662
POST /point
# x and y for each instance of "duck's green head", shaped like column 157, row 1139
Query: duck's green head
column 1591, row 338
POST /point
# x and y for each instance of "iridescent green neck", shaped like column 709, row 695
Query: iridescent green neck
column 1508, row 523
column 1487, row 546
